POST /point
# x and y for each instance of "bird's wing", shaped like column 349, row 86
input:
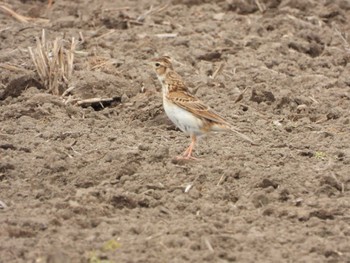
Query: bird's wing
column 192, row 104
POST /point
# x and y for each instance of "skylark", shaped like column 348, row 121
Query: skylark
column 186, row 111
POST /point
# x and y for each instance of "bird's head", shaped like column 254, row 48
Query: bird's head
column 161, row 66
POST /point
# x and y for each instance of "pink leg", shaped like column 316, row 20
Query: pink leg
column 187, row 155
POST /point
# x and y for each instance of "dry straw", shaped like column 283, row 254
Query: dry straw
column 19, row 17
column 53, row 63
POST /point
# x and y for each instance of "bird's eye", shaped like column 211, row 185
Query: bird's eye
column 157, row 64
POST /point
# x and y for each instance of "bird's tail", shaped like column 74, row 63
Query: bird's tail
column 228, row 127
column 243, row 136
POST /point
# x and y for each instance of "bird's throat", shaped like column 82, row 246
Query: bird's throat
column 162, row 81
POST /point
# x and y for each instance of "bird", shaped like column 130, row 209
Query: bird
column 186, row 111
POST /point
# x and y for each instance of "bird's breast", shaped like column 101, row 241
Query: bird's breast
column 183, row 119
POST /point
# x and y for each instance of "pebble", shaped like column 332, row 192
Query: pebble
column 2, row 205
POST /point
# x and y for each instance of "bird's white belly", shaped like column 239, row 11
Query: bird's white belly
column 183, row 119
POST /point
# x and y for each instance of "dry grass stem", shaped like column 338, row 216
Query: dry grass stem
column 20, row 18
column 54, row 64
column 166, row 35
column 222, row 178
column 344, row 40
column 81, row 36
column 5, row 28
column 12, row 68
column 188, row 188
column 142, row 17
column 261, row 6
column 208, row 244
column 67, row 91
column 117, row 9
column 240, row 96
column 218, row 70
column 106, row 34
column 70, row 99
column 93, row 100
column 302, row 22
column 103, row 64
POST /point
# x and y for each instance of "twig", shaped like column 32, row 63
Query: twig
column 103, row 63
column 130, row 21
column 339, row 183
column 188, row 188
column 81, row 36
column 70, row 100
column 190, row 185
column 141, row 18
column 261, row 7
column 20, row 18
column 303, row 22
column 209, row 246
column 67, row 91
column 218, row 70
column 314, row 100
column 162, row 8
column 4, row 29
column 106, row 34
column 344, row 40
column 76, row 152
column 240, row 96
column 93, row 100
column 166, row 35
column 221, row 179
column 12, row 67
column 117, row 8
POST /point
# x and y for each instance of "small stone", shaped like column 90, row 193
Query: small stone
column 301, row 108
column 322, row 214
column 260, row 200
column 289, row 128
column 298, row 201
column 277, row 123
column 73, row 203
column 267, row 183
column 210, row 56
column 284, row 195
column 333, row 114
column 143, row 147
column 332, row 181
column 262, row 96
column 219, row 16
column 2, row 205
column 124, row 98
column 268, row 212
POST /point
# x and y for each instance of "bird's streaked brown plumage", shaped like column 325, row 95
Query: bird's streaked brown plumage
column 185, row 110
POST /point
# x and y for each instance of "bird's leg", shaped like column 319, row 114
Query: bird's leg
column 188, row 153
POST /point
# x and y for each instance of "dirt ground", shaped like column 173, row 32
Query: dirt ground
column 101, row 185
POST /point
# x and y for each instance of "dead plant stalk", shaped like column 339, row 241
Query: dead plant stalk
column 54, row 64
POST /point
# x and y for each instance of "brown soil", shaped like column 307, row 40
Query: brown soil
column 90, row 185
